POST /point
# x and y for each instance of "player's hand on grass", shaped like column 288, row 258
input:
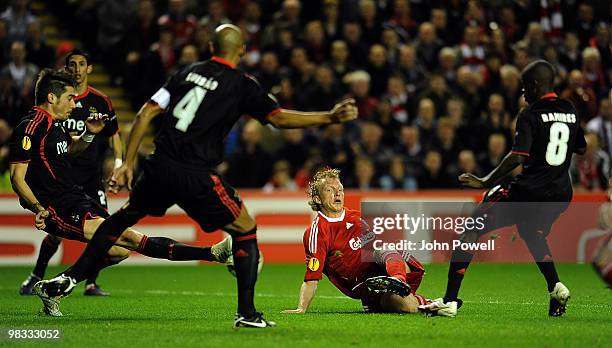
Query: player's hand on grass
column 344, row 111
column 471, row 180
column 39, row 221
column 95, row 122
column 122, row 177
column 294, row 311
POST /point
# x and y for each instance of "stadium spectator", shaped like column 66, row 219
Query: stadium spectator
column 570, row 57
column 433, row 174
column 379, row 70
column 359, row 82
column 370, row 145
column 447, row 64
column 268, row 74
column 281, row 178
column 510, row 87
column 294, row 149
column 339, row 61
column 593, row 72
column 582, row 96
column 438, row 92
column 364, row 175
column 331, row 19
column 180, row 22
column 397, row 96
column 370, row 22
column 425, row 122
column 18, row 18
column 472, row 51
column 37, row 50
column 466, row 163
column 384, row 117
column 401, row 17
column 142, row 31
column 496, row 150
column 410, row 149
column 411, row 70
column 592, row 170
column 323, row 93
column 398, row 178
column 250, row 165
column 447, row 144
column 428, row 45
column 602, row 125
column 358, row 50
column 20, row 71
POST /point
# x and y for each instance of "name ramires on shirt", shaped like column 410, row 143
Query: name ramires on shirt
column 559, row 117
column 204, row 82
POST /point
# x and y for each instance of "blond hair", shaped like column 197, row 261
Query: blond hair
column 317, row 181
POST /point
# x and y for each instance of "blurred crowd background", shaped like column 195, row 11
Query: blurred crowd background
column 437, row 83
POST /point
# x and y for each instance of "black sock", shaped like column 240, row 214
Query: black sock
column 460, row 260
column 538, row 247
column 166, row 248
column 246, row 256
column 105, row 237
column 48, row 247
column 91, row 279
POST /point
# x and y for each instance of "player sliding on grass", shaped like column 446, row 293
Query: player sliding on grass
column 41, row 175
column 547, row 133
column 200, row 105
column 387, row 284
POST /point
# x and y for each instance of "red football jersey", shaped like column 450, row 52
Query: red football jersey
column 333, row 248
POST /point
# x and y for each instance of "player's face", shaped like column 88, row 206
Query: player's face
column 78, row 66
column 332, row 197
column 65, row 103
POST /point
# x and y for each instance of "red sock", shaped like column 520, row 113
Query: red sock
column 422, row 300
column 396, row 268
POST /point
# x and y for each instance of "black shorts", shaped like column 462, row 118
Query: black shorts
column 506, row 205
column 97, row 193
column 202, row 194
column 67, row 215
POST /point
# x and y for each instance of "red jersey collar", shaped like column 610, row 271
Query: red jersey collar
column 223, row 61
column 549, row 95
column 81, row 96
column 45, row 112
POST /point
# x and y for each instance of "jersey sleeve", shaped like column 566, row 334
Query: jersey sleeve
column 257, row 102
column 315, row 248
column 580, row 142
column 523, row 138
column 163, row 95
column 25, row 137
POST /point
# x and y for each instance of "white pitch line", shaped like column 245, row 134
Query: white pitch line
column 224, row 294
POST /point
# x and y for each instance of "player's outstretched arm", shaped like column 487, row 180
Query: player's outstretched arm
column 343, row 111
column 123, row 176
column 94, row 125
column 307, row 292
column 507, row 165
column 18, row 172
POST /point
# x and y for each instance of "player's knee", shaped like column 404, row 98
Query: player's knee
column 118, row 254
column 397, row 304
column 53, row 239
column 130, row 239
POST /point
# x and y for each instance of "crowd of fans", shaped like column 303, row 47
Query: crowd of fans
column 437, row 83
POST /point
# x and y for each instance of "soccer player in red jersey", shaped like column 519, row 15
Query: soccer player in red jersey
column 333, row 246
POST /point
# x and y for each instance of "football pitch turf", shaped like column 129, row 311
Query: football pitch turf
column 193, row 306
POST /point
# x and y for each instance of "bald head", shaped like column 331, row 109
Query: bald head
column 227, row 40
column 538, row 79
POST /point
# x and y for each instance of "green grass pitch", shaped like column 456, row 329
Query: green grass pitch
column 193, row 306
